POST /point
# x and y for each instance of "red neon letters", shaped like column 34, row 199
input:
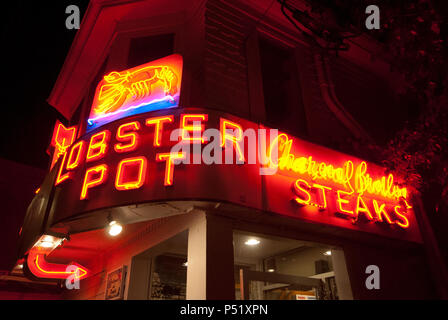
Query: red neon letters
column 125, row 133
column 301, row 188
column 158, row 130
column 93, row 177
column 349, row 204
column 62, row 176
column 169, row 166
column 192, row 127
column 62, row 138
column 344, row 187
column 131, row 173
column 74, row 157
column 381, row 211
column 351, row 178
column 98, row 145
column 227, row 127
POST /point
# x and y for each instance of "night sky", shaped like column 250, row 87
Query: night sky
column 35, row 43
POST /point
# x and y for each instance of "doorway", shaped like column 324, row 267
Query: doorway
column 160, row 273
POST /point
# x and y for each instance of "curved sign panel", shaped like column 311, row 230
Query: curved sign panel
column 197, row 154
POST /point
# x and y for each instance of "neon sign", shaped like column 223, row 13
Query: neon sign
column 152, row 86
column 42, row 269
column 62, row 139
column 311, row 182
column 363, row 182
column 349, row 186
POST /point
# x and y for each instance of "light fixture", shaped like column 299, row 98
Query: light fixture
column 48, row 243
column 185, row 264
column 114, row 228
column 327, row 253
column 271, row 265
column 18, row 268
column 252, row 242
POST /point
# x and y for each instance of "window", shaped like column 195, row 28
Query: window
column 146, row 49
column 160, row 273
column 274, row 268
column 169, row 277
column 281, row 88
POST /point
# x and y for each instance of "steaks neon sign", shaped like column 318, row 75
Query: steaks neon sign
column 347, row 185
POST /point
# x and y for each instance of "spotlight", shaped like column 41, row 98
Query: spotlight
column 115, row 228
column 252, row 242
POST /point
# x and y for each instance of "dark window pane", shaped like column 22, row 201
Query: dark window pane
column 169, row 279
column 146, row 49
column 281, row 88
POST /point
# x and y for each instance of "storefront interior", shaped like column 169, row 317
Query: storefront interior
column 270, row 268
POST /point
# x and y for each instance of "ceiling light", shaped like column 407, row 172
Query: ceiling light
column 271, row 270
column 327, row 253
column 252, row 242
column 115, row 228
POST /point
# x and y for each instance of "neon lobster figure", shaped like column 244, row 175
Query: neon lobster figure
column 126, row 86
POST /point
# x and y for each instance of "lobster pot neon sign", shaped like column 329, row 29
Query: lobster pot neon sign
column 148, row 87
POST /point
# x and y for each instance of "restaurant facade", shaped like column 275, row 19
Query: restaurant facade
column 207, row 154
